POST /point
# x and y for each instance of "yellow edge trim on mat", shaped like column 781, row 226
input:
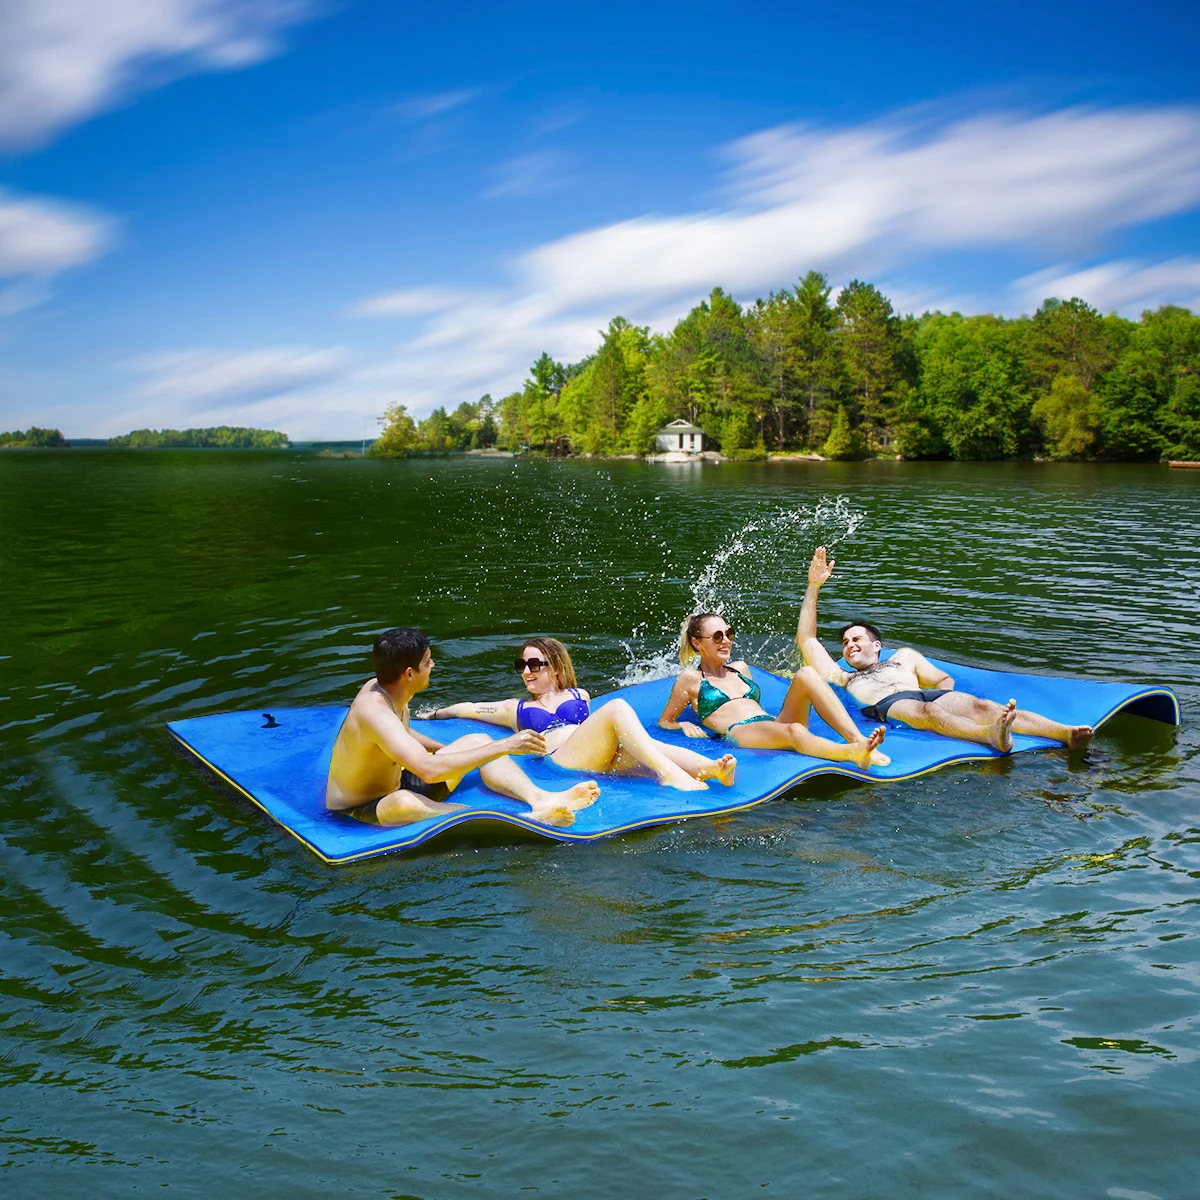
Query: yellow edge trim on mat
column 233, row 783
column 646, row 822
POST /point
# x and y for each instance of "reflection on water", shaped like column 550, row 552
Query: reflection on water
column 979, row 981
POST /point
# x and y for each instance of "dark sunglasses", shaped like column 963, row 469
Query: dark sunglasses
column 532, row 664
column 720, row 635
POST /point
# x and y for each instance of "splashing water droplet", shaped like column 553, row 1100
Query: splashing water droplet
column 755, row 581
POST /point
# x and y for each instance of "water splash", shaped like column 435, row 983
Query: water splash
column 755, row 581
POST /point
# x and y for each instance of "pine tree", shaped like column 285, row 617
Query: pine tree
column 841, row 443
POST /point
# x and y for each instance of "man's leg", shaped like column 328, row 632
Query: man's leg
column 404, row 808
column 1034, row 724
column 993, row 718
column 504, row 776
column 807, row 687
column 959, row 715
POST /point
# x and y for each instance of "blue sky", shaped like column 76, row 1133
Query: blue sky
column 290, row 214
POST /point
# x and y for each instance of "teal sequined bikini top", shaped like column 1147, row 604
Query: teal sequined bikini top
column 710, row 698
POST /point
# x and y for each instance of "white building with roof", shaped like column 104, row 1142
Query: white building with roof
column 681, row 437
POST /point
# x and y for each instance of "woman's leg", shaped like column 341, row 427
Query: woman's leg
column 698, row 766
column 597, row 743
column 807, row 687
column 504, row 776
column 775, row 735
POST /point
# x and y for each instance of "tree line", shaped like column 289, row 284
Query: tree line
column 33, row 437
column 798, row 371
column 224, row 436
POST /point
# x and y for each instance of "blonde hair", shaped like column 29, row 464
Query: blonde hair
column 558, row 657
column 691, row 629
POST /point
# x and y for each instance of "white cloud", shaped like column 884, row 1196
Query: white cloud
column 61, row 61
column 1123, row 286
column 184, row 380
column 409, row 302
column 878, row 195
column 864, row 201
column 38, row 239
column 40, row 236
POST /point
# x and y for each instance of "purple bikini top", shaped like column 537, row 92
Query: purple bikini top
column 569, row 712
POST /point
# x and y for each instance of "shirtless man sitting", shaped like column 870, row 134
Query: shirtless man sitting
column 385, row 773
column 909, row 688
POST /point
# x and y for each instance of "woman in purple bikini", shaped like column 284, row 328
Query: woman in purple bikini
column 611, row 739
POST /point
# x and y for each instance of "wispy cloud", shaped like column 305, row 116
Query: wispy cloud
column 213, row 378
column 1123, row 286
column 435, row 104
column 39, row 238
column 535, row 174
column 867, row 200
column 409, row 302
column 61, row 61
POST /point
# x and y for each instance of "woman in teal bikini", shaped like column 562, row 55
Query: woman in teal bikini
column 725, row 697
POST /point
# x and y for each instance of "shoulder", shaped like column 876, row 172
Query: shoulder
column 370, row 702
column 741, row 665
column 583, row 693
column 906, row 654
column 688, row 677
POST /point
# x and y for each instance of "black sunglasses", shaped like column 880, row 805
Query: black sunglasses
column 720, row 635
column 533, row 664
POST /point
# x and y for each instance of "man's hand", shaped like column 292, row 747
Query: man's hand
column 528, row 741
column 819, row 570
column 426, row 714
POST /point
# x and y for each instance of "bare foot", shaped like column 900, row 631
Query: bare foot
column 879, row 759
column 1080, row 736
column 1000, row 730
column 862, row 750
column 726, row 769
column 673, row 775
column 723, row 769
column 559, row 808
column 579, row 796
column 553, row 814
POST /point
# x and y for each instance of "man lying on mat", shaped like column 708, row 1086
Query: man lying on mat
column 385, row 773
column 909, row 688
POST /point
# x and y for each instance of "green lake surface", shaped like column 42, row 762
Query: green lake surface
column 980, row 982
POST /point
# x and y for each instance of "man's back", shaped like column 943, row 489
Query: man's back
column 360, row 769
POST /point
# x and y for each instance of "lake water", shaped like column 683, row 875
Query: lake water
column 980, row 982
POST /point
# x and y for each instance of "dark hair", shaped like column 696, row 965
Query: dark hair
column 397, row 650
column 691, row 629
column 558, row 657
column 876, row 636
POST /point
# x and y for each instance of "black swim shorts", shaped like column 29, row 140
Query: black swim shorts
column 879, row 710
column 408, row 782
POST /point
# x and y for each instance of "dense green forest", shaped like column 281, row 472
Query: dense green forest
column 33, row 436
column 852, row 378
column 227, row 436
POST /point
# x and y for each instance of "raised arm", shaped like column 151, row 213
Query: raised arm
column 807, row 642
column 402, row 746
column 678, row 700
column 499, row 712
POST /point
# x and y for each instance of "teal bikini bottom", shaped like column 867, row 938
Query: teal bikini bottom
column 748, row 721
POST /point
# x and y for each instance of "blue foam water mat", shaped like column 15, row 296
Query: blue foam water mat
column 282, row 766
